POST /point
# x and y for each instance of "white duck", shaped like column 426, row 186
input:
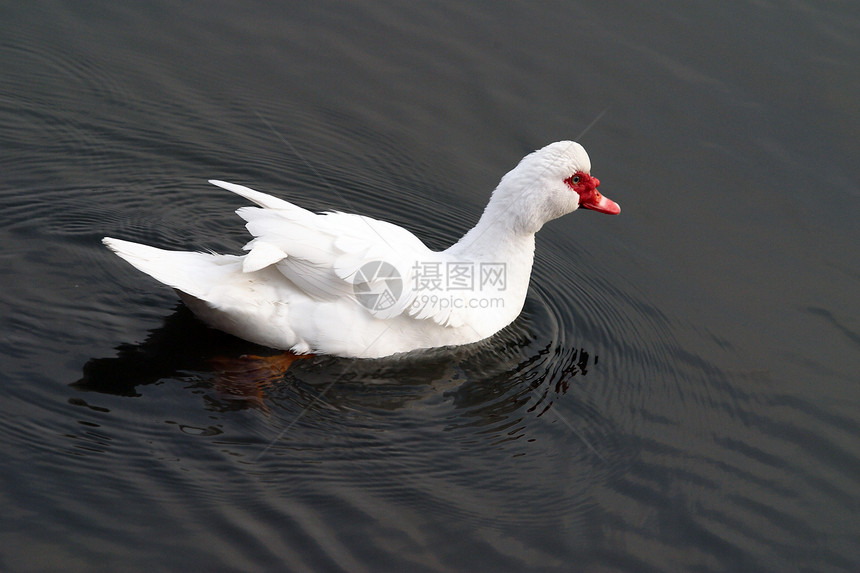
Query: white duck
column 348, row 285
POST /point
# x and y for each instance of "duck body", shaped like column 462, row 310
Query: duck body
column 353, row 286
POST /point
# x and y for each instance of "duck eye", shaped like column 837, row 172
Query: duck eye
column 575, row 179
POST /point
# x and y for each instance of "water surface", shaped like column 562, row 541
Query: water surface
column 680, row 392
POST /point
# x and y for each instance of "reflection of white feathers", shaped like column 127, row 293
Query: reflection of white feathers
column 350, row 285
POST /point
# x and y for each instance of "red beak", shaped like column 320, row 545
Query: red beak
column 597, row 202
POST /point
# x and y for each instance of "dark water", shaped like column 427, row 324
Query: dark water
column 680, row 394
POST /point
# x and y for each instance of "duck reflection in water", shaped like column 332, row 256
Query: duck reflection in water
column 239, row 371
column 513, row 376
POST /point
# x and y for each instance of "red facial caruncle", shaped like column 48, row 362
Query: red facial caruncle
column 589, row 197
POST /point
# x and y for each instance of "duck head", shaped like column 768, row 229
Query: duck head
column 549, row 183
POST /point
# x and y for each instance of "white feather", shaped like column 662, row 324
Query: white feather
column 261, row 255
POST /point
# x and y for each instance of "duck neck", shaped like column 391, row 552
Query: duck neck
column 502, row 232
column 493, row 242
column 492, row 239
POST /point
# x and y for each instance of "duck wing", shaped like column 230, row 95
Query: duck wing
column 334, row 255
